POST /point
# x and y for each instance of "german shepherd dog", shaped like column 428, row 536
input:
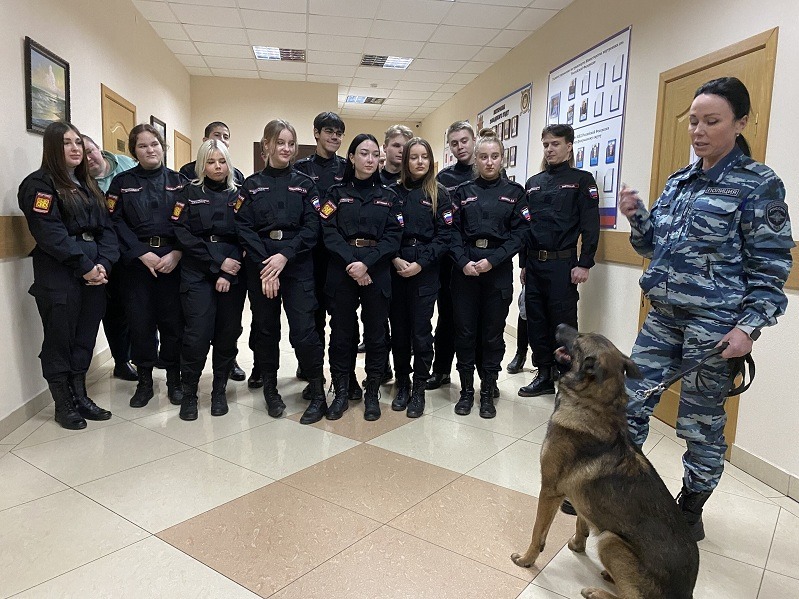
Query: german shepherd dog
column 644, row 543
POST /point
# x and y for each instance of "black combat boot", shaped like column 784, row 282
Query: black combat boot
column 274, row 403
column 354, row 392
column 144, row 389
column 340, row 402
column 403, row 393
column 517, row 364
column 174, row 390
column 85, row 406
column 188, row 402
column 437, row 379
column 416, row 405
column 487, row 386
column 542, row 384
column 236, row 373
column 308, row 392
column 256, row 381
column 691, row 503
column 371, row 398
column 66, row 413
column 318, row 406
column 466, row 400
column 219, row 396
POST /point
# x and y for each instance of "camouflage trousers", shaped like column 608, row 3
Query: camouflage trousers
column 672, row 340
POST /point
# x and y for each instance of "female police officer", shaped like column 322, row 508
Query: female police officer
column 490, row 218
column 278, row 226
column 425, row 214
column 75, row 248
column 361, row 231
column 141, row 202
column 719, row 241
column 212, row 296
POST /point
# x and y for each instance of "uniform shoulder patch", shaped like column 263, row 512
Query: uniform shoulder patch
column 111, row 202
column 447, row 216
column 526, row 214
column 400, row 219
column 593, row 192
column 776, row 215
column 237, row 205
column 328, row 209
column 43, row 203
column 177, row 210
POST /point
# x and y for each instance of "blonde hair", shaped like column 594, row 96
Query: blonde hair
column 272, row 131
column 207, row 148
column 486, row 136
column 429, row 182
column 395, row 130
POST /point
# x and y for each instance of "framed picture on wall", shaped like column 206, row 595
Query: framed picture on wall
column 160, row 126
column 46, row 87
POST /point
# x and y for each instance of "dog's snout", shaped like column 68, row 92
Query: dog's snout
column 565, row 335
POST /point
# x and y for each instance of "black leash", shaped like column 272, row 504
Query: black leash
column 737, row 367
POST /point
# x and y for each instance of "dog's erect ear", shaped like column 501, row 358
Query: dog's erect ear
column 631, row 370
column 592, row 367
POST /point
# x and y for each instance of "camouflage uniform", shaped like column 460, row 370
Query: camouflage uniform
column 719, row 244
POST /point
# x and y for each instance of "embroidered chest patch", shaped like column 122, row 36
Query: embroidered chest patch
column 381, row 203
column 507, row 199
column 199, row 201
column 298, row 190
column 730, row 192
column 43, row 203
column 570, row 186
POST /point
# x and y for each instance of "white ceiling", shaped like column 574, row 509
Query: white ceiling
column 451, row 43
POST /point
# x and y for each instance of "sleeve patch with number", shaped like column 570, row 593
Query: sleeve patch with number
column 43, row 203
column 177, row 210
column 328, row 209
column 111, row 202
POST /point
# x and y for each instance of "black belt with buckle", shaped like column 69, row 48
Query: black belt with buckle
column 413, row 241
column 484, row 244
column 85, row 236
column 545, row 255
column 362, row 243
column 157, row 241
column 222, row 238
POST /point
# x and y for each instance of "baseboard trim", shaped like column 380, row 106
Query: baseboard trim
column 766, row 472
column 41, row 400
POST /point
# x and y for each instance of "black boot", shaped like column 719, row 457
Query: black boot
column 542, row 384
column 300, row 374
column 274, row 403
column 416, row 405
column 144, row 390
column 256, row 381
column 66, row 414
column 371, row 399
column 188, row 403
column 487, row 386
column 308, row 392
column 403, row 393
column 517, row 364
column 219, row 396
column 388, row 374
column 691, row 504
column 125, row 371
column 354, row 392
column 466, row 400
column 174, row 390
column 85, row 406
column 318, row 406
column 340, row 402
column 437, row 379
column 236, row 373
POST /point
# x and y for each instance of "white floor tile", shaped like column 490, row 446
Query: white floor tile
column 512, row 419
column 536, row 592
column 751, row 481
column 651, row 442
column 97, row 453
column 444, row 443
column 784, row 555
column 537, row 435
column 279, row 448
column 777, row 586
column 788, row 504
column 54, row 534
column 165, row 492
column 149, row 569
column 666, row 457
column 4, row 449
column 22, row 482
column 516, row 467
column 569, row 572
column 724, row 578
column 114, row 394
column 50, row 430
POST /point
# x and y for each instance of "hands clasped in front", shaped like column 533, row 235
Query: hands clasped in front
column 475, row 269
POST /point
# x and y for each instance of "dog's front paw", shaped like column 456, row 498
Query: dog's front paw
column 593, row 593
column 577, row 543
column 523, row 560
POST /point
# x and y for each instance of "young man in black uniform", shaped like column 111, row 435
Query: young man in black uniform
column 564, row 208
column 396, row 138
column 460, row 137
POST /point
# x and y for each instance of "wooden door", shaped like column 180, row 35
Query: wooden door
column 181, row 150
column 752, row 61
column 119, row 117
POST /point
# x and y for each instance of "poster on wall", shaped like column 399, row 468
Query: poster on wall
column 449, row 157
column 589, row 93
column 510, row 118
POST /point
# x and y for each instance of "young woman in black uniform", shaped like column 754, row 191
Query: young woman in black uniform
column 211, row 293
column 361, row 230
column 75, row 248
column 142, row 202
column 425, row 215
column 278, row 226
column 491, row 216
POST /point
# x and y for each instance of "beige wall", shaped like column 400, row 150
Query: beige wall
column 114, row 46
column 664, row 35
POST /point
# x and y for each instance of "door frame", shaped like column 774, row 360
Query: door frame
column 109, row 95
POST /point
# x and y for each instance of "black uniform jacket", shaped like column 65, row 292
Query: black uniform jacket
column 564, row 206
column 325, row 172
column 141, row 203
column 283, row 202
column 206, row 229
column 454, row 175
column 58, row 229
column 388, row 179
column 432, row 233
column 491, row 213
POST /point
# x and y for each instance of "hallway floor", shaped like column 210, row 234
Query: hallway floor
column 146, row 505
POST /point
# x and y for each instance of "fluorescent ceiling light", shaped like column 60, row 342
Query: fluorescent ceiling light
column 387, row 62
column 364, row 100
column 273, row 53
